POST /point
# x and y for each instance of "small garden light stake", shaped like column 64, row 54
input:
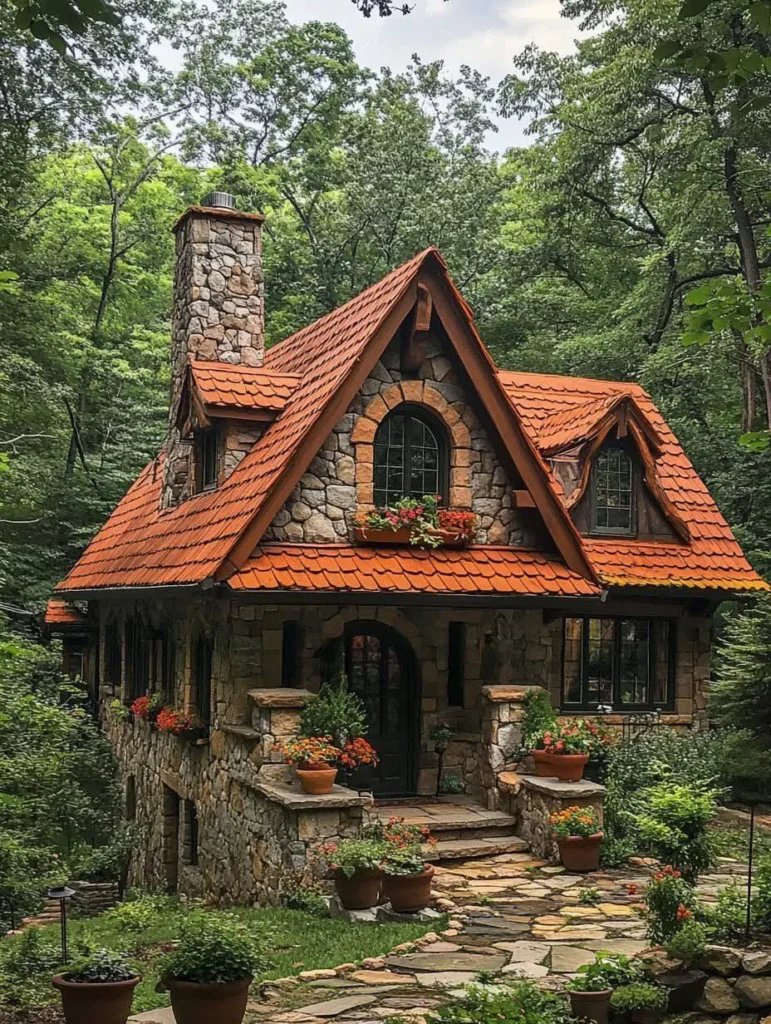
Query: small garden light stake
column 62, row 893
column 750, row 852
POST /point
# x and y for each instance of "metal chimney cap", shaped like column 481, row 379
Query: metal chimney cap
column 219, row 200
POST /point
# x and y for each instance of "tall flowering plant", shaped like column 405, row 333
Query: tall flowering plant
column 670, row 902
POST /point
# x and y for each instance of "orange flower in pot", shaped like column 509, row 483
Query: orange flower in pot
column 313, row 758
column 579, row 835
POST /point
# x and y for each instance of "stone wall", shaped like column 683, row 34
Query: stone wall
column 533, row 800
column 339, row 482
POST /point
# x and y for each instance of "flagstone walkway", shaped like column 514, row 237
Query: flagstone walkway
column 510, row 916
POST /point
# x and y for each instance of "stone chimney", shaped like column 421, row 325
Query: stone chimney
column 218, row 307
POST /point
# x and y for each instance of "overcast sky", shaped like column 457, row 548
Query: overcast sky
column 484, row 34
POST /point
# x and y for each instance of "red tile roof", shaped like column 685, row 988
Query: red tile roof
column 213, row 534
column 61, row 613
column 143, row 545
column 712, row 560
column 350, row 568
column 242, row 387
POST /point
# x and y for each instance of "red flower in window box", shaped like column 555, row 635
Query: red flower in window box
column 178, row 723
column 417, row 521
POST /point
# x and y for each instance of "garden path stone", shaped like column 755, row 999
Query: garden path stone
column 334, row 1007
column 445, row 979
column 525, row 969
column 447, row 962
column 567, row 959
column 163, row 1015
column 382, row 978
column 534, row 952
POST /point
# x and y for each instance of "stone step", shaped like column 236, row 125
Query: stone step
column 490, row 823
column 479, row 846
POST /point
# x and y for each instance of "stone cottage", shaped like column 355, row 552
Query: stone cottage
column 234, row 578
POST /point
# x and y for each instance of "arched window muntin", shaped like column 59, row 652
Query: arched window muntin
column 613, row 492
column 411, row 456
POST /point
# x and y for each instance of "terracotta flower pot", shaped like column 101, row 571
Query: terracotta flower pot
column 646, row 1016
column 568, row 767
column 581, row 853
column 194, row 1003
column 594, row 1005
column 409, row 893
column 108, row 1002
column 317, row 779
column 361, row 891
column 543, row 765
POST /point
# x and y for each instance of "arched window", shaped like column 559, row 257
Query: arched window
column 613, row 492
column 410, row 457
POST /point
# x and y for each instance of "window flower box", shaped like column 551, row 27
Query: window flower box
column 416, row 521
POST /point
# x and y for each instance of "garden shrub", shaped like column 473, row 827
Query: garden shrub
column 726, row 920
column 673, row 827
column 522, row 1003
column 761, row 903
column 539, row 715
column 636, row 766
column 26, row 965
column 642, row 995
column 215, row 949
column 308, row 898
column 141, row 910
column 688, row 942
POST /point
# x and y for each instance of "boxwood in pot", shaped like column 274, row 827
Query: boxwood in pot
column 644, row 1001
column 99, row 987
column 210, row 971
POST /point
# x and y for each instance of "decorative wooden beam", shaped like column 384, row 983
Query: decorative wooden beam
column 524, row 499
column 413, row 349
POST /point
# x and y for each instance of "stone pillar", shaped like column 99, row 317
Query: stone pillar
column 536, row 799
column 276, row 716
column 502, row 714
column 218, row 309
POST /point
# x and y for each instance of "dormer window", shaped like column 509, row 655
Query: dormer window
column 410, row 457
column 207, row 452
column 613, row 504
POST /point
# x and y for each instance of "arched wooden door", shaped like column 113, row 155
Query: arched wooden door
column 381, row 669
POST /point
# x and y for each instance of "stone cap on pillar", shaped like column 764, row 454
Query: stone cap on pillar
column 281, row 697
column 507, row 693
column 562, row 790
column 218, row 213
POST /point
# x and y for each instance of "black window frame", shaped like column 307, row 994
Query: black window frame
column 614, row 531
column 203, row 661
column 456, row 664
column 207, row 457
column 291, row 653
column 137, row 658
column 412, row 413
column 113, row 656
column 616, row 705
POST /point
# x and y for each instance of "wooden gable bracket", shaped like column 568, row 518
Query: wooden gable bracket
column 524, row 499
column 414, row 345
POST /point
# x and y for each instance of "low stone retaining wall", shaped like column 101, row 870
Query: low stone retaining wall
column 92, row 898
column 730, row 984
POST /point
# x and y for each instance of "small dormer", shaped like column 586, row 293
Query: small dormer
column 223, row 411
column 605, row 459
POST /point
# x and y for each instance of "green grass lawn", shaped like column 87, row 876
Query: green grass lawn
column 144, row 929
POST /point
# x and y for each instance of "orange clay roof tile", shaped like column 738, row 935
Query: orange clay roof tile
column 712, row 560
column 242, row 387
column 61, row 613
column 348, row 568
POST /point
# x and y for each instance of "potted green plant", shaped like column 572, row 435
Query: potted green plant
column 644, row 1001
column 209, row 973
column 591, row 990
column 407, row 879
column 539, row 718
column 357, row 866
column 579, row 835
column 314, row 759
column 98, row 988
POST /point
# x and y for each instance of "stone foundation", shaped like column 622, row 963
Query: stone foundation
column 92, row 898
